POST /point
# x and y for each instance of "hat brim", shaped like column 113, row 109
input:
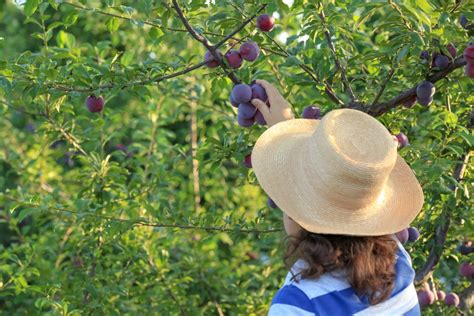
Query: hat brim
column 278, row 162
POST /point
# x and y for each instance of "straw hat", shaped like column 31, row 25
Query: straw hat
column 338, row 175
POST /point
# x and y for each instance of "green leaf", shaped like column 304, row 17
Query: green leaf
column 31, row 6
column 113, row 24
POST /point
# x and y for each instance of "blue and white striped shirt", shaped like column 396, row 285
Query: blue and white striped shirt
column 332, row 295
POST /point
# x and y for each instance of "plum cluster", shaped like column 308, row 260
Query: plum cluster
column 248, row 51
column 469, row 58
column 95, row 104
column 426, row 297
column 247, row 113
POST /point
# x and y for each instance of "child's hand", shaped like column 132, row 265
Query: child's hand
column 279, row 109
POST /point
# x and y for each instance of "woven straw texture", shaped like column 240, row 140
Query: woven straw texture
column 338, row 175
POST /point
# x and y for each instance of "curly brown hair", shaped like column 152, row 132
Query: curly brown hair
column 369, row 261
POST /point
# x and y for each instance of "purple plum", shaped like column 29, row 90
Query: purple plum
column 452, row 299
column 95, row 104
column 234, row 59
column 247, row 110
column 241, row 93
column 258, row 92
column 311, row 112
column 249, row 51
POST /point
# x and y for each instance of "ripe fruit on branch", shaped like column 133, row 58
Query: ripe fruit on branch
column 463, row 21
column 233, row 102
column 95, row 104
column 241, row 93
column 469, row 70
column 442, row 62
column 425, row 298
column 248, row 161
column 469, row 54
column 211, row 61
column 265, row 22
column 271, row 203
column 402, row 235
column 234, row 59
column 258, row 92
column 452, row 50
column 311, row 112
column 466, row 270
column 402, row 141
column 424, row 55
column 249, row 51
column 424, row 92
column 413, row 234
column 441, row 295
column 247, row 110
column 243, row 121
column 452, row 299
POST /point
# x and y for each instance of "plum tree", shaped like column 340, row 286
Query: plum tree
column 247, row 110
column 442, row 61
column 95, row 104
column 233, row 58
column 98, row 218
column 249, row 51
column 241, row 93
column 402, row 140
column 265, row 22
column 311, row 112
column 451, row 299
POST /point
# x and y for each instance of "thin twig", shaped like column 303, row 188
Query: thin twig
column 60, row 86
column 145, row 22
column 339, row 66
column 145, row 222
column 384, row 85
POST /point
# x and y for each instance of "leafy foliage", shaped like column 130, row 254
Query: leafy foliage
column 87, row 199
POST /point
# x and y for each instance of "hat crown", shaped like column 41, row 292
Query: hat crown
column 353, row 155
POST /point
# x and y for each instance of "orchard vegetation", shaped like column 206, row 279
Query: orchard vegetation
column 126, row 185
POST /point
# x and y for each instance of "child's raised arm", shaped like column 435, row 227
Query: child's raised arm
column 279, row 110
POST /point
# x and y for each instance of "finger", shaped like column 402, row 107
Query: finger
column 269, row 88
column 262, row 107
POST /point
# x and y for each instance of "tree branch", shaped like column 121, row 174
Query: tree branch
column 339, row 66
column 61, row 87
column 315, row 77
column 381, row 108
column 200, row 38
column 442, row 230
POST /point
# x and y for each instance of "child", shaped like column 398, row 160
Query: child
column 344, row 192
